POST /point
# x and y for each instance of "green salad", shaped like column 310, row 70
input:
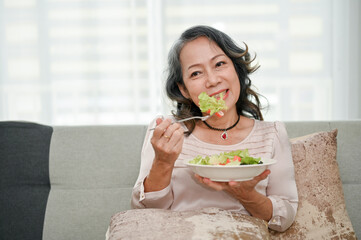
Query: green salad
column 238, row 157
column 211, row 105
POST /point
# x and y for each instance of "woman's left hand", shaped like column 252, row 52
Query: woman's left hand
column 243, row 191
column 257, row 204
column 244, row 186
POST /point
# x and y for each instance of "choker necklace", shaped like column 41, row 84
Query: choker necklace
column 224, row 134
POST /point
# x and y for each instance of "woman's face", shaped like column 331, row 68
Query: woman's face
column 206, row 68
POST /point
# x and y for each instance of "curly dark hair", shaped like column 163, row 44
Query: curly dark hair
column 248, row 103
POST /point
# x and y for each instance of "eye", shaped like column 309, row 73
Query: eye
column 218, row 64
column 196, row 73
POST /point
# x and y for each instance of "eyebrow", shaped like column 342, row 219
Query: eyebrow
column 194, row 65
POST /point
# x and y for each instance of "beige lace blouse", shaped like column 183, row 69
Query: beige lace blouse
column 267, row 140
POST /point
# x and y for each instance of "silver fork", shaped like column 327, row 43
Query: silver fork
column 203, row 118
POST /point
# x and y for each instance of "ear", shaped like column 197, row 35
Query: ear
column 183, row 90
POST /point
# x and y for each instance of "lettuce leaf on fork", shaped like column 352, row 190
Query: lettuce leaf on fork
column 211, row 105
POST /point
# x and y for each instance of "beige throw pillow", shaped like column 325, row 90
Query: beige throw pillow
column 210, row 223
column 321, row 211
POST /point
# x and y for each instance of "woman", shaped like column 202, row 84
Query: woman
column 207, row 60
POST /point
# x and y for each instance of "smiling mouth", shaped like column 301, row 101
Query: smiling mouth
column 218, row 95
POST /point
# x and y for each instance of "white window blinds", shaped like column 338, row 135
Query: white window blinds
column 76, row 62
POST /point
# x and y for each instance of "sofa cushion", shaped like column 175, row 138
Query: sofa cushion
column 321, row 212
column 92, row 172
column 24, row 179
column 210, row 223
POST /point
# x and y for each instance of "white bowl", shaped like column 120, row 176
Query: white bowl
column 219, row 173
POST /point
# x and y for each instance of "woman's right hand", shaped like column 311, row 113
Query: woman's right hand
column 167, row 141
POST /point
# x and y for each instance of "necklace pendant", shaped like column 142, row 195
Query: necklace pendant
column 224, row 135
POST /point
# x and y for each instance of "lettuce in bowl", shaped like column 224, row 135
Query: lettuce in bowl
column 238, row 157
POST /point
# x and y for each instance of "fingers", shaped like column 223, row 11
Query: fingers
column 178, row 138
column 218, row 186
column 215, row 185
column 171, row 130
column 161, row 127
column 167, row 139
column 174, row 143
column 159, row 120
column 251, row 183
column 262, row 176
column 166, row 130
column 233, row 185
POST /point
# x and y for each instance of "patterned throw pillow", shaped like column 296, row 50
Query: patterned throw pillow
column 321, row 211
column 210, row 223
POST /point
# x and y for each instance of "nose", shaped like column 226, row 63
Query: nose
column 212, row 79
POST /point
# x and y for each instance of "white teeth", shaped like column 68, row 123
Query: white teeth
column 219, row 94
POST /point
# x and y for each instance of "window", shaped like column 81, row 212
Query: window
column 102, row 62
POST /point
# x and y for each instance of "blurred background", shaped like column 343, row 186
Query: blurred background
column 90, row 62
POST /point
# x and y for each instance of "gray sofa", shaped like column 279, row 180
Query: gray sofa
column 65, row 182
